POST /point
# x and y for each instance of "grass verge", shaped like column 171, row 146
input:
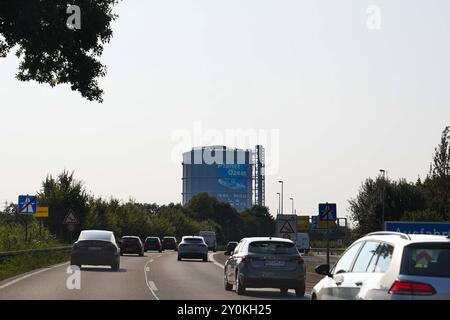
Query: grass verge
column 14, row 266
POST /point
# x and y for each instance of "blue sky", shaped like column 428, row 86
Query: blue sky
column 345, row 100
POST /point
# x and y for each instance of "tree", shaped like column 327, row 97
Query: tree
column 61, row 195
column 50, row 51
column 257, row 222
column 440, row 175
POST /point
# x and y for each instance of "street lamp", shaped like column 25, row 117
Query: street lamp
column 282, row 182
column 383, row 172
column 279, row 201
column 292, row 199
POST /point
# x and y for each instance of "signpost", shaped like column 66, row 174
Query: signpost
column 41, row 212
column 303, row 223
column 327, row 212
column 27, row 205
column 71, row 220
column 418, row 227
column 286, row 225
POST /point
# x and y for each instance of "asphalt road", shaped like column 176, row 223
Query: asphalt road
column 154, row 276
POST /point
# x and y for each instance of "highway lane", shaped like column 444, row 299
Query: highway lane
column 154, row 276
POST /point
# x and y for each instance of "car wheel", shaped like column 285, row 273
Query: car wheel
column 228, row 286
column 214, row 250
column 115, row 266
column 284, row 291
column 313, row 297
column 179, row 258
column 240, row 289
column 160, row 250
column 300, row 292
column 121, row 253
column 76, row 264
column 141, row 254
column 205, row 258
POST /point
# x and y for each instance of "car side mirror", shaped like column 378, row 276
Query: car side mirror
column 324, row 269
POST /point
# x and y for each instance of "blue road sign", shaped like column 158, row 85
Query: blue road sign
column 414, row 227
column 27, row 205
column 314, row 223
column 327, row 211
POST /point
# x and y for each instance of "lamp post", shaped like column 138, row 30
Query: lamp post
column 292, row 200
column 279, row 202
column 282, row 182
column 383, row 172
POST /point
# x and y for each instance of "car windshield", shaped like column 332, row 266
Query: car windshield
column 193, row 240
column 272, row 247
column 430, row 260
column 95, row 235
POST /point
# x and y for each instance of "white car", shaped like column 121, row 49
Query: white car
column 192, row 247
column 389, row 265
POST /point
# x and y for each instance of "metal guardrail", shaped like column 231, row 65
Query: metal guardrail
column 4, row 255
column 324, row 250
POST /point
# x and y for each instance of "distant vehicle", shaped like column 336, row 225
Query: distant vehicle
column 210, row 239
column 131, row 245
column 192, row 247
column 96, row 247
column 265, row 262
column 389, row 266
column 302, row 242
column 230, row 247
column 169, row 243
column 152, row 243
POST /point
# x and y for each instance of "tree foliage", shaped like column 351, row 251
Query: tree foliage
column 51, row 52
column 420, row 201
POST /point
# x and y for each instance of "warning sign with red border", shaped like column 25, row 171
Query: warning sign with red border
column 287, row 226
column 71, row 218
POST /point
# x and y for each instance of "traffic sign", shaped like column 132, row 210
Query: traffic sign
column 27, row 205
column 316, row 223
column 71, row 218
column 417, row 227
column 303, row 223
column 41, row 212
column 327, row 211
column 286, row 226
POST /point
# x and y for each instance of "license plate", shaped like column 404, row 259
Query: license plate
column 275, row 263
column 95, row 248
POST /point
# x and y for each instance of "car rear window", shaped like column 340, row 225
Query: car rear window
column 193, row 240
column 130, row 240
column 430, row 260
column 272, row 247
column 152, row 240
column 95, row 235
column 169, row 240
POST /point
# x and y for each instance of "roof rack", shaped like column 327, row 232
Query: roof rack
column 390, row 233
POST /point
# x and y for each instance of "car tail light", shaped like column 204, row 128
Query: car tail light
column 412, row 288
column 246, row 259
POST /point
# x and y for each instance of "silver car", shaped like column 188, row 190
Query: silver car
column 192, row 247
column 265, row 262
column 389, row 265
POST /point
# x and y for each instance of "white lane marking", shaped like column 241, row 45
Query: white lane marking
column 150, row 284
column 151, row 260
column 159, row 255
column 30, row 275
column 147, row 269
column 211, row 257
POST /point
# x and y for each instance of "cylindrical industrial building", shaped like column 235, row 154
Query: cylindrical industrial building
column 224, row 173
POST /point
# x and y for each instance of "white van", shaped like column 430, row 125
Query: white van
column 302, row 242
column 210, row 239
